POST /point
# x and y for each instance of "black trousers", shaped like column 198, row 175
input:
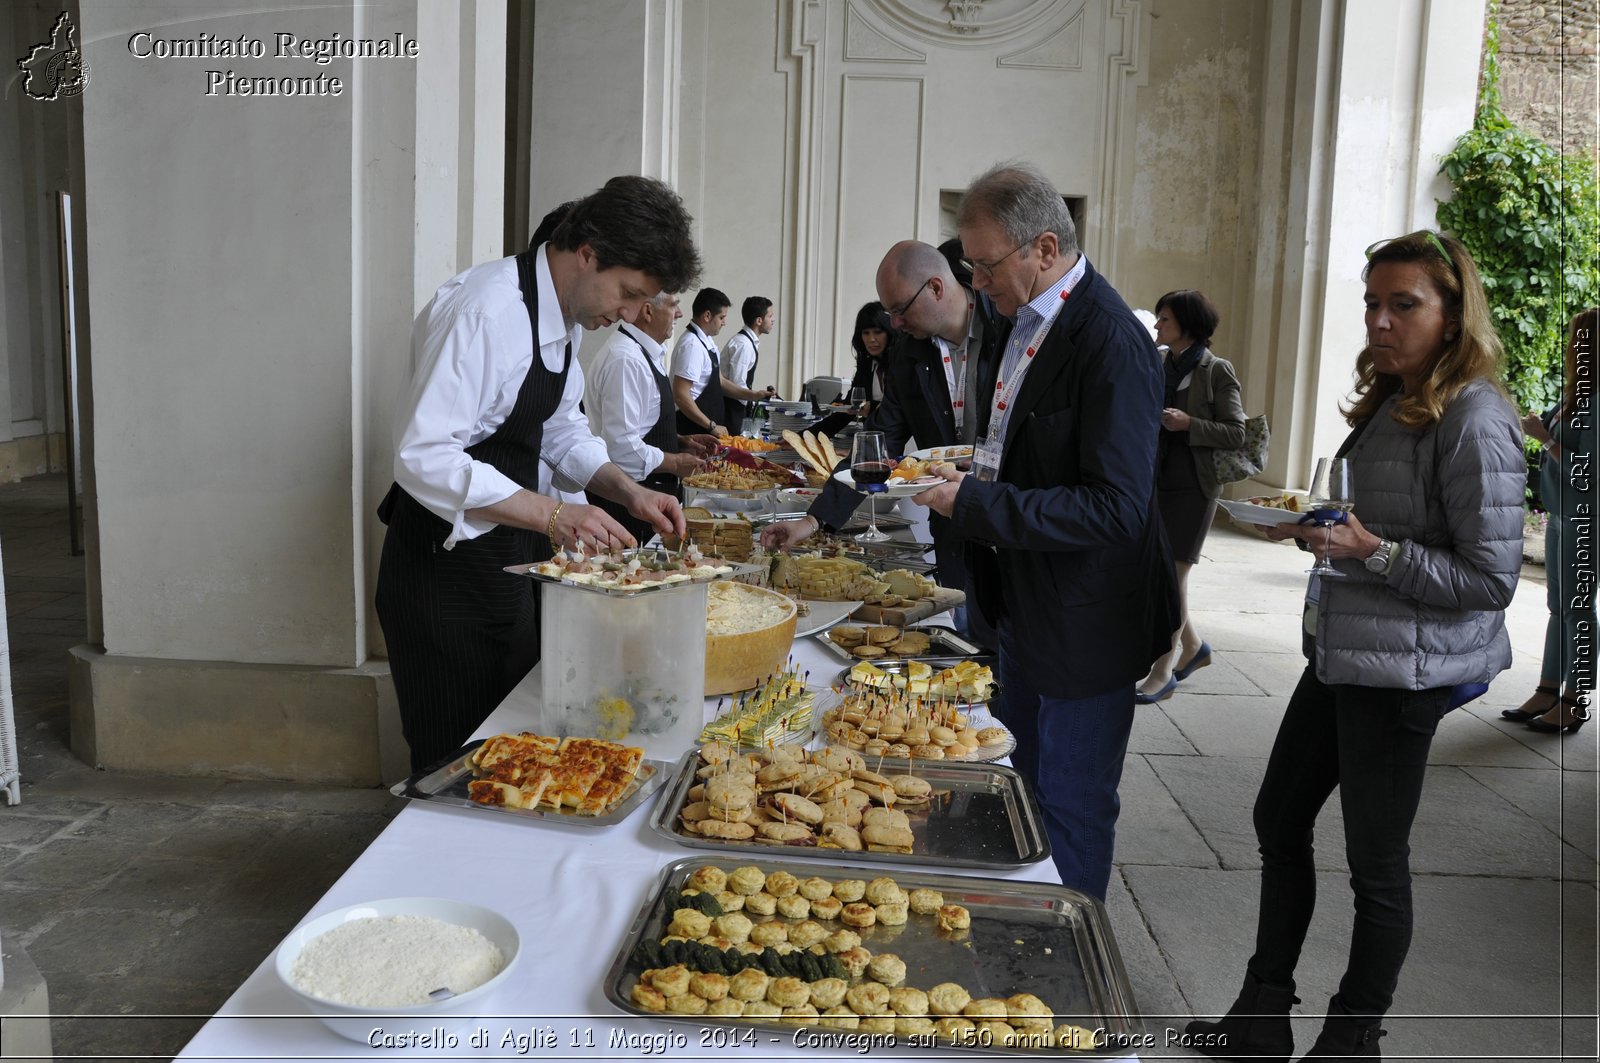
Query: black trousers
column 1372, row 744
column 461, row 632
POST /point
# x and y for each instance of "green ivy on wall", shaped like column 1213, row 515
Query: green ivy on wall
column 1530, row 217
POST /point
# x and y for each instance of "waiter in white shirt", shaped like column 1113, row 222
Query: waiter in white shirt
column 496, row 388
column 740, row 355
column 628, row 396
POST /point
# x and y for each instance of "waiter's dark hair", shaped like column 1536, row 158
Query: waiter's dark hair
column 709, row 301
column 636, row 223
column 1193, row 312
column 755, row 308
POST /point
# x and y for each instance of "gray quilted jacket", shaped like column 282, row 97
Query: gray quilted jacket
column 1451, row 495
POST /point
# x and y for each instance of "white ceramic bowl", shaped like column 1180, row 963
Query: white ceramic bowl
column 357, row 1023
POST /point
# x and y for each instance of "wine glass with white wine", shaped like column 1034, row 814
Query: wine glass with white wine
column 1333, row 495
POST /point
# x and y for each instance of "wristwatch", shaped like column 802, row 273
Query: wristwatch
column 1383, row 557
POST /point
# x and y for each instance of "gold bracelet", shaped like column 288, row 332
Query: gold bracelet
column 550, row 529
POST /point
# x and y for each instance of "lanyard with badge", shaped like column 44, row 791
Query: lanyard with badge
column 958, row 384
column 986, row 455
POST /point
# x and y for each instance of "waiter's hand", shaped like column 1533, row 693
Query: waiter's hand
column 719, row 431
column 700, row 445
column 787, row 533
column 590, row 528
column 680, row 464
column 941, row 498
column 772, row 391
column 660, row 511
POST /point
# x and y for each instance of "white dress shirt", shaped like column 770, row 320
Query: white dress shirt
column 691, row 359
column 473, row 348
column 624, row 401
column 739, row 357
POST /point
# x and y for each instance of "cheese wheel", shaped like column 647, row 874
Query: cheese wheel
column 741, row 660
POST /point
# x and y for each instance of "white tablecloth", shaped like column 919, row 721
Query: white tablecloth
column 572, row 892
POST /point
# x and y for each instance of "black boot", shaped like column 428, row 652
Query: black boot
column 1255, row 1028
column 1347, row 1036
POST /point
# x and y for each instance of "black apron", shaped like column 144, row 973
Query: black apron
column 461, row 632
column 737, row 409
column 663, row 435
column 709, row 401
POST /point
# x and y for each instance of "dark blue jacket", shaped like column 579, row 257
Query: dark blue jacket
column 1065, row 548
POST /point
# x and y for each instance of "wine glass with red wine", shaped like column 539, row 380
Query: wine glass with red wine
column 870, row 467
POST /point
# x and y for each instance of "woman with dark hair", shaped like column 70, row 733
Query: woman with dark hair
column 1428, row 561
column 870, row 341
column 1565, row 435
column 1202, row 412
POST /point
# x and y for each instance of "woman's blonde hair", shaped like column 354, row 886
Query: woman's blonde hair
column 1471, row 349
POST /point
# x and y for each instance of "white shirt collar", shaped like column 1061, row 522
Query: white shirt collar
column 646, row 344
column 552, row 326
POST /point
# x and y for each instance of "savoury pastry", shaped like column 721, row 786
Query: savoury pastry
column 749, row 984
column 955, row 917
column 891, row 914
column 816, row 888
column 794, row 906
column 762, row 903
column 858, row 915
column 761, row 1009
column 888, row 968
column 997, row 1033
column 855, row 960
column 788, row 992
column 799, row 1015
column 727, row 1007
column 956, row 1030
column 925, row 901
column 868, row 652
column 842, row 941
column 648, row 997
column 708, row 984
column 747, row 880
column 868, row 998
column 709, row 879
column 1026, row 1011
column 807, row 933
column 849, row 889
column 908, row 1001
column 839, row 1017
column 985, row 1008
column 885, row 891
column 735, row 926
column 738, row 831
column 948, row 998
column 690, row 923
column 913, row 1026
column 671, row 981
column 877, row 1024
column 769, row 934
column 828, row 992
column 827, row 907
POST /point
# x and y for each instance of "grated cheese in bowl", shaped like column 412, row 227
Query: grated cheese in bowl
column 385, row 957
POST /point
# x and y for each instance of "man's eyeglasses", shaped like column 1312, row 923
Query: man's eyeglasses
column 900, row 311
column 988, row 268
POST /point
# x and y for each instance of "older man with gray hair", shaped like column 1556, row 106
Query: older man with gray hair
column 1065, row 551
column 627, row 394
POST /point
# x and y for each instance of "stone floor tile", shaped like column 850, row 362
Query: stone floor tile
column 1155, row 989
column 1152, row 828
column 1563, row 802
column 25, row 914
column 70, row 864
column 1465, row 828
column 1233, row 632
column 1271, row 674
column 1217, row 794
column 1228, row 727
column 289, row 797
column 68, row 606
column 25, row 601
column 1467, row 739
column 1153, row 732
column 37, row 804
column 1221, row 676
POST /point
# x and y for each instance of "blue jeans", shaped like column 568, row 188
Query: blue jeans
column 1372, row 745
column 1071, row 750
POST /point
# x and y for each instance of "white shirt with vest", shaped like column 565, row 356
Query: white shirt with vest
column 624, row 401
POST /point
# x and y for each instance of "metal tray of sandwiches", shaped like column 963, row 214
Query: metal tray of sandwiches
column 993, row 965
column 449, row 783
column 834, row 807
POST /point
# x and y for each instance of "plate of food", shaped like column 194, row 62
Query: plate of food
column 897, row 486
column 1267, row 509
column 820, row 616
column 956, row 453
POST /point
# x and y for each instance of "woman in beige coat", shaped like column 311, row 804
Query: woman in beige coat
column 1202, row 412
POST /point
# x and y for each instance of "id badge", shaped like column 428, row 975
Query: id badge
column 986, row 461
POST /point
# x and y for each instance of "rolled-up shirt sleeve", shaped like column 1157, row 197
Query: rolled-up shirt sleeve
column 454, row 383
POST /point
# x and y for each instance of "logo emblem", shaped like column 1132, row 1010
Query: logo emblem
column 55, row 68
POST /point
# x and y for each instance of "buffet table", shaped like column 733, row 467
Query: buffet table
column 571, row 890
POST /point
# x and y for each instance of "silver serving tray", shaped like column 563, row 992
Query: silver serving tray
column 446, row 784
column 896, row 665
column 955, row 646
column 740, row 569
column 857, row 522
column 981, row 815
column 1026, row 937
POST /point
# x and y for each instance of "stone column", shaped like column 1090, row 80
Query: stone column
column 257, row 260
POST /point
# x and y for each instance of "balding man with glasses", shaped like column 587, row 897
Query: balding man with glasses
column 930, row 391
column 1065, row 549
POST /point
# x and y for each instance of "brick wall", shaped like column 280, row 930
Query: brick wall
column 1548, row 66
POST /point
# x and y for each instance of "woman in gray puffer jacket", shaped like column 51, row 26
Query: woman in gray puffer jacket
column 1430, row 557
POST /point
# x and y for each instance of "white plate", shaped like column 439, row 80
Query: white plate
column 894, row 488
column 956, row 453
column 822, row 616
column 1250, row 513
